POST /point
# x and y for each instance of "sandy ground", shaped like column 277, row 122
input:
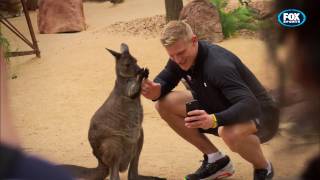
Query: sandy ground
column 54, row 97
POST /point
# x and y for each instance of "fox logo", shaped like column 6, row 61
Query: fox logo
column 291, row 18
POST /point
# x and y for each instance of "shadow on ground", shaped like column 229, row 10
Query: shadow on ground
column 78, row 172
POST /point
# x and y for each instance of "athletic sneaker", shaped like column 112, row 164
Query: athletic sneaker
column 208, row 171
column 262, row 174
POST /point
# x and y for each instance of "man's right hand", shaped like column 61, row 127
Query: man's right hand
column 150, row 89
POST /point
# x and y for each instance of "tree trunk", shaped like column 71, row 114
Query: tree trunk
column 173, row 8
column 32, row 5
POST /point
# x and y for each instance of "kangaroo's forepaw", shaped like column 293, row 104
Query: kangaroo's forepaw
column 145, row 73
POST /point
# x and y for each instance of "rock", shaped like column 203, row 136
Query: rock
column 262, row 7
column 60, row 16
column 204, row 19
column 232, row 5
column 112, row 1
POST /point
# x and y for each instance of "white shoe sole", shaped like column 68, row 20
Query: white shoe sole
column 227, row 171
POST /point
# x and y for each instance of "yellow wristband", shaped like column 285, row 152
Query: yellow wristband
column 214, row 121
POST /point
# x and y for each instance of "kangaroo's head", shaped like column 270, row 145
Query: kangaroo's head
column 126, row 65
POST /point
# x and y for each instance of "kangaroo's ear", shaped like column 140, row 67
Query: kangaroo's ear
column 124, row 48
column 115, row 54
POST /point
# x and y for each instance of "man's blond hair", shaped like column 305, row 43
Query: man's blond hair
column 174, row 31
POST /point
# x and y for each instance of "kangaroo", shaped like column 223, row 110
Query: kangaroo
column 116, row 134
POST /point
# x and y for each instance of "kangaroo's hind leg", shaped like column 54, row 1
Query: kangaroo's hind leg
column 99, row 173
column 133, row 169
column 102, row 171
column 115, row 172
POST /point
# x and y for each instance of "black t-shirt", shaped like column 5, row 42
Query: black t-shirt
column 221, row 83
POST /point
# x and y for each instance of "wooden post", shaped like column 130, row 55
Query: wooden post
column 33, row 37
column 11, row 27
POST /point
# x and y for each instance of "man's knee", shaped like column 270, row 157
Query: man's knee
column 229, row 136
column 157, row 106
column 161, row 108
column 174, row 102
column 163, row 105
column 234, row 134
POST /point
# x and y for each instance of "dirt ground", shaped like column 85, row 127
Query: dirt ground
column 53, row 97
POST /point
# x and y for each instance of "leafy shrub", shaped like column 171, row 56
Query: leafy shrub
column 235, row 20
column 4, row 43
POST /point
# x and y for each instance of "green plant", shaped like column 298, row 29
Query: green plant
column 235, row 20
column 5, row 45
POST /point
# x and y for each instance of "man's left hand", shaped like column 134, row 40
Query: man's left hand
column 198, row 119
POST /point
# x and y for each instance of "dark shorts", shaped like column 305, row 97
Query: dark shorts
column 267, row 124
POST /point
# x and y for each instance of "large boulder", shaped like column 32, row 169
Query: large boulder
column 262, row 7
column 204, row 19
column 60, row 16
column 112, row 1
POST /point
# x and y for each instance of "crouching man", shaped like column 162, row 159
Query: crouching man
column 234, row 105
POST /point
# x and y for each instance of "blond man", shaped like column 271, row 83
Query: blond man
column 233, row 103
